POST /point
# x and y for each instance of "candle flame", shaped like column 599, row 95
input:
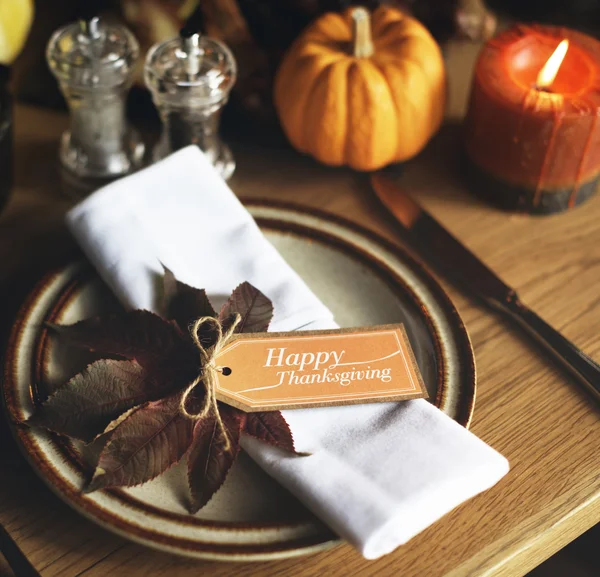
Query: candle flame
column 550, row 70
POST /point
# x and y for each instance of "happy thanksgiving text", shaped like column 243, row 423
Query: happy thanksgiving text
column 308, row 368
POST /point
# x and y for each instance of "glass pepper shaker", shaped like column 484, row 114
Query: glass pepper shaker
column 92, row 61
column 190, row 78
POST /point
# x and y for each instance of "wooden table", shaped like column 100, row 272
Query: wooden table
column 526, row 408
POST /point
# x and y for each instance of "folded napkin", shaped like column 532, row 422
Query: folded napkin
column 379, row 473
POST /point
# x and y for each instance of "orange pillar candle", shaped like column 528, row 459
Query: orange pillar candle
column 532, row 131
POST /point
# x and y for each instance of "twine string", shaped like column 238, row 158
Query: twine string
column 209, row 372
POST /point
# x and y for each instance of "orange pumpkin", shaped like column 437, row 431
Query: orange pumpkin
column 362, row 90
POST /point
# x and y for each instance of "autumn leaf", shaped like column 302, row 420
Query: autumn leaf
column 91, row 399
column 254, row 307
column 130, row 409
column 94, row 447
column 169, row 290
column 137, row 335
column 209, row 461
column 271, row 428
column 145, row 444
column 183, row 303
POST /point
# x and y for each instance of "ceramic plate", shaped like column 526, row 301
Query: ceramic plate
column 362, row 278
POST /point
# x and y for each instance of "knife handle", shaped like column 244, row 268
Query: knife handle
column 15, row 558
column 583, row 368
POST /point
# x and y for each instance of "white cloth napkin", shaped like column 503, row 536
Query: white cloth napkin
column 378, row 474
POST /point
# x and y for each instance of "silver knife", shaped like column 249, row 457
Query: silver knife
column 442, row 250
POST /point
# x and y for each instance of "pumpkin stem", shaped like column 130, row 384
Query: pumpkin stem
column 362, row 43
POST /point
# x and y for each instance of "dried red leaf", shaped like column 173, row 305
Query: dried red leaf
column 138, row 335
column 130, row 408
column 91, row 399
column 145, row 444
column 183, row 303
column 271, row 428
column 169, row 290
column 255, row 308
column 209, row 461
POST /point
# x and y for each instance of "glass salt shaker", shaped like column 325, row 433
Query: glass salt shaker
column 93, row 61
column 190, row 78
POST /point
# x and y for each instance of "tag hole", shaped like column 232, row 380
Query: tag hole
column 226, row 371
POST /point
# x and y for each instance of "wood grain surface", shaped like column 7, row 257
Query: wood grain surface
column 526, row 408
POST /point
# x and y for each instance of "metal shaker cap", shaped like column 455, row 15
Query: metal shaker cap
column 190, row 70
column 92, row 54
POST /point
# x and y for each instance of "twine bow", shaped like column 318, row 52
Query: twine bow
column 208, row 374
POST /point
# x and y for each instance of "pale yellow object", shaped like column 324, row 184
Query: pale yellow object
column 15, row 20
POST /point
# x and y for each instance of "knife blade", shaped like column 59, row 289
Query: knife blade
column 447, row 254
column 438, row 246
